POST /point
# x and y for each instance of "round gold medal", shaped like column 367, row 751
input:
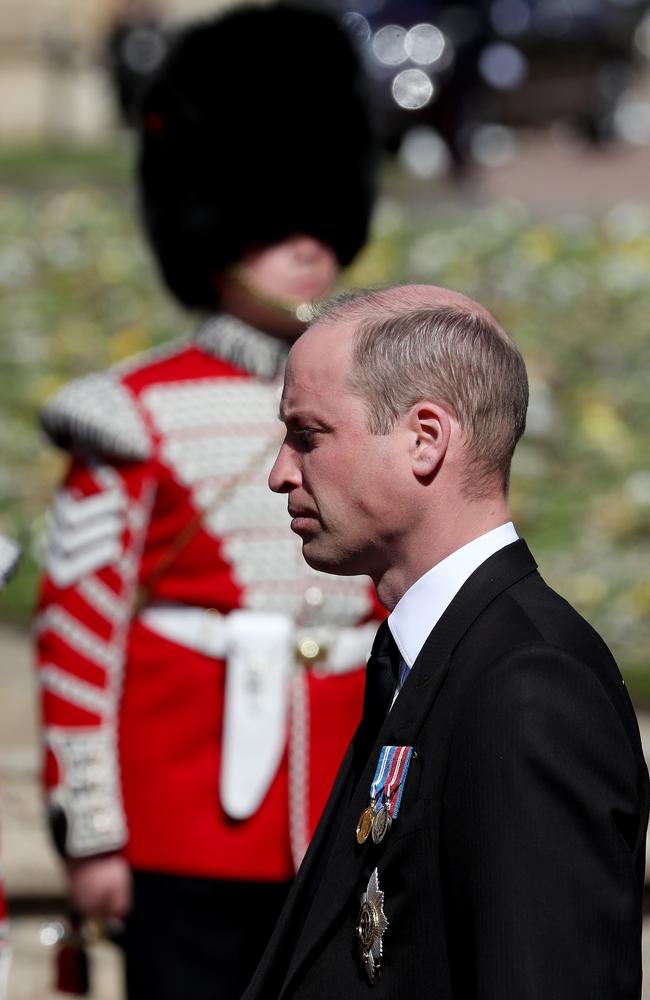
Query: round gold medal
column 364, row 826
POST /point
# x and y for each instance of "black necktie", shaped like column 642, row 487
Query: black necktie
column 382, row 674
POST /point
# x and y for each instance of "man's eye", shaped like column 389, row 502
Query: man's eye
column 306, row 437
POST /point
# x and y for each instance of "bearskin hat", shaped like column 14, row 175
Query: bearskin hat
column 254, row 128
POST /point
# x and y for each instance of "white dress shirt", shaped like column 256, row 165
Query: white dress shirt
column 428, row 598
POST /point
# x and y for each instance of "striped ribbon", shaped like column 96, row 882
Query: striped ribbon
column 393, row 788
column 378, row 781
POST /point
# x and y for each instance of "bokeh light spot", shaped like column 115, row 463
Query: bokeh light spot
column 412, row 89
column 425, row 44
column 503, row 66
column 510, row 17
column 389, row 46
column 423, row 153
column 357, row 27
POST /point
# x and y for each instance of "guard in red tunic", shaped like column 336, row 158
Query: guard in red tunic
column 200, row 684
column 9, row 556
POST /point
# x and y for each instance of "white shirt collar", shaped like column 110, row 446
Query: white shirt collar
column 427, row 599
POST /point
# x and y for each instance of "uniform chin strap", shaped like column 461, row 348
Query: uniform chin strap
column 303, row 312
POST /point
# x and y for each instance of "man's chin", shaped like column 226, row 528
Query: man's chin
column 325, row 562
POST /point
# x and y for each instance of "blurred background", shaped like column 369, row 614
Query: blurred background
column 516, row 167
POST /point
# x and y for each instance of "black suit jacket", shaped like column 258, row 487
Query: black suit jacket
column 514, row 870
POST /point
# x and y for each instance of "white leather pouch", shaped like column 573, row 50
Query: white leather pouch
column 260, row 660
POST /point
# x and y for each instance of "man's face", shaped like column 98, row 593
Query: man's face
column 342, row 482
column 269, row 285
column 298, row 269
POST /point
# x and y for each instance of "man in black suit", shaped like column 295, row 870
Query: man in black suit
column 485, row 836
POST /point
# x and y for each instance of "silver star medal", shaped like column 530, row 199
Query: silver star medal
column 371, row 927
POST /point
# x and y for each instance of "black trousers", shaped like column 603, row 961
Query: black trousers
column 195, row 938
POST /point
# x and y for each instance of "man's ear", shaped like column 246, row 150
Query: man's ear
column 430, row 431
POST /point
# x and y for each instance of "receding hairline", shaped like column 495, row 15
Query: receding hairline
column 377, row 304
column 426, row 342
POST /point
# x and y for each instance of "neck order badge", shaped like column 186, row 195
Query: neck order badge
column 385, row 794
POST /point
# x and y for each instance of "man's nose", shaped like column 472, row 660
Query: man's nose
column 285, row 474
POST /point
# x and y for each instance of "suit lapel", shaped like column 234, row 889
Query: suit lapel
column 302, row 890
column 342, row 868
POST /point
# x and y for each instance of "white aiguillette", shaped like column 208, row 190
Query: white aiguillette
column 371, row 927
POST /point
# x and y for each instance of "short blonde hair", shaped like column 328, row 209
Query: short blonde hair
column 455, row 355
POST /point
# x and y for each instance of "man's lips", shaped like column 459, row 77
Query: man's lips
column 301, row 518
column 300, row 512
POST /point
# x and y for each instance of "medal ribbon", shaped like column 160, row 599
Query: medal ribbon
column 400, row 759
column 383, row 766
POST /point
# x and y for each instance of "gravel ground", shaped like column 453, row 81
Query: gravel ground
column 32, row 971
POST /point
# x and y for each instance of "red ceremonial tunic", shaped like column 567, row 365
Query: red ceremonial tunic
column 167, row 490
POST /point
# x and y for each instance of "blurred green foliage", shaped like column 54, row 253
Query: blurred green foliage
column 78, row 292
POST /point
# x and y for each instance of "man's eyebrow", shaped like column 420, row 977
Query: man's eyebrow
column 284, row 416
column 290, row 419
